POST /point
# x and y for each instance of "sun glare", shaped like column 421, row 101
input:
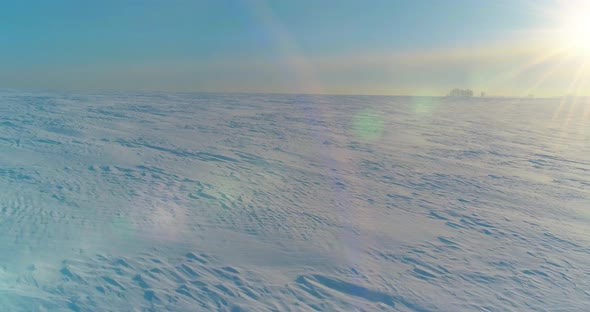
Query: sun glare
column 575, row 27
column 562, row 46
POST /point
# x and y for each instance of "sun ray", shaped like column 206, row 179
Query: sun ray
column 558, row 53
column 541, row 59
column 544, row 77
column 572, row 100
column 584, row 110
column 581, row 70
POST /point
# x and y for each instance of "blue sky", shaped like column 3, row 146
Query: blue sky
column 321, row 46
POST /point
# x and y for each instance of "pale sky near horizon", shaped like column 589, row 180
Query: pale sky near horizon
column 502, row 47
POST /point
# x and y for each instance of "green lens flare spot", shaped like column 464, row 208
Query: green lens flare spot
column 368, row 125
column 423, row 105
column 123, row 227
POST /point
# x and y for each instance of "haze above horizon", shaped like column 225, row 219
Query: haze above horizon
column 511, row 48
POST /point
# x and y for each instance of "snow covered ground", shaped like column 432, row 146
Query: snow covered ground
column 236, row 202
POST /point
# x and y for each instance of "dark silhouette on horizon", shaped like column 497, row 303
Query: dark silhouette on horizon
column 461, row 93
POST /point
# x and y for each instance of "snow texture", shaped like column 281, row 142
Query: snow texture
column 257, row 202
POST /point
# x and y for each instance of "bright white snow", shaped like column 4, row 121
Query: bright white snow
column 236, row 202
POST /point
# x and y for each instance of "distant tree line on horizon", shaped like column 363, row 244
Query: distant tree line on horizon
column 461, row 92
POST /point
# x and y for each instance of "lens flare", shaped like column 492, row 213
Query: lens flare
column 368, row 125
column 423, row 105
column 122, row 227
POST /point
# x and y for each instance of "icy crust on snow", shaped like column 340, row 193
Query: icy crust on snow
column 237, row 202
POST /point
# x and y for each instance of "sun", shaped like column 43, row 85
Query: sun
column 574, row 29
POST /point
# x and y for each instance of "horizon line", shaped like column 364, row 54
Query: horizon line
column 281, row 93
